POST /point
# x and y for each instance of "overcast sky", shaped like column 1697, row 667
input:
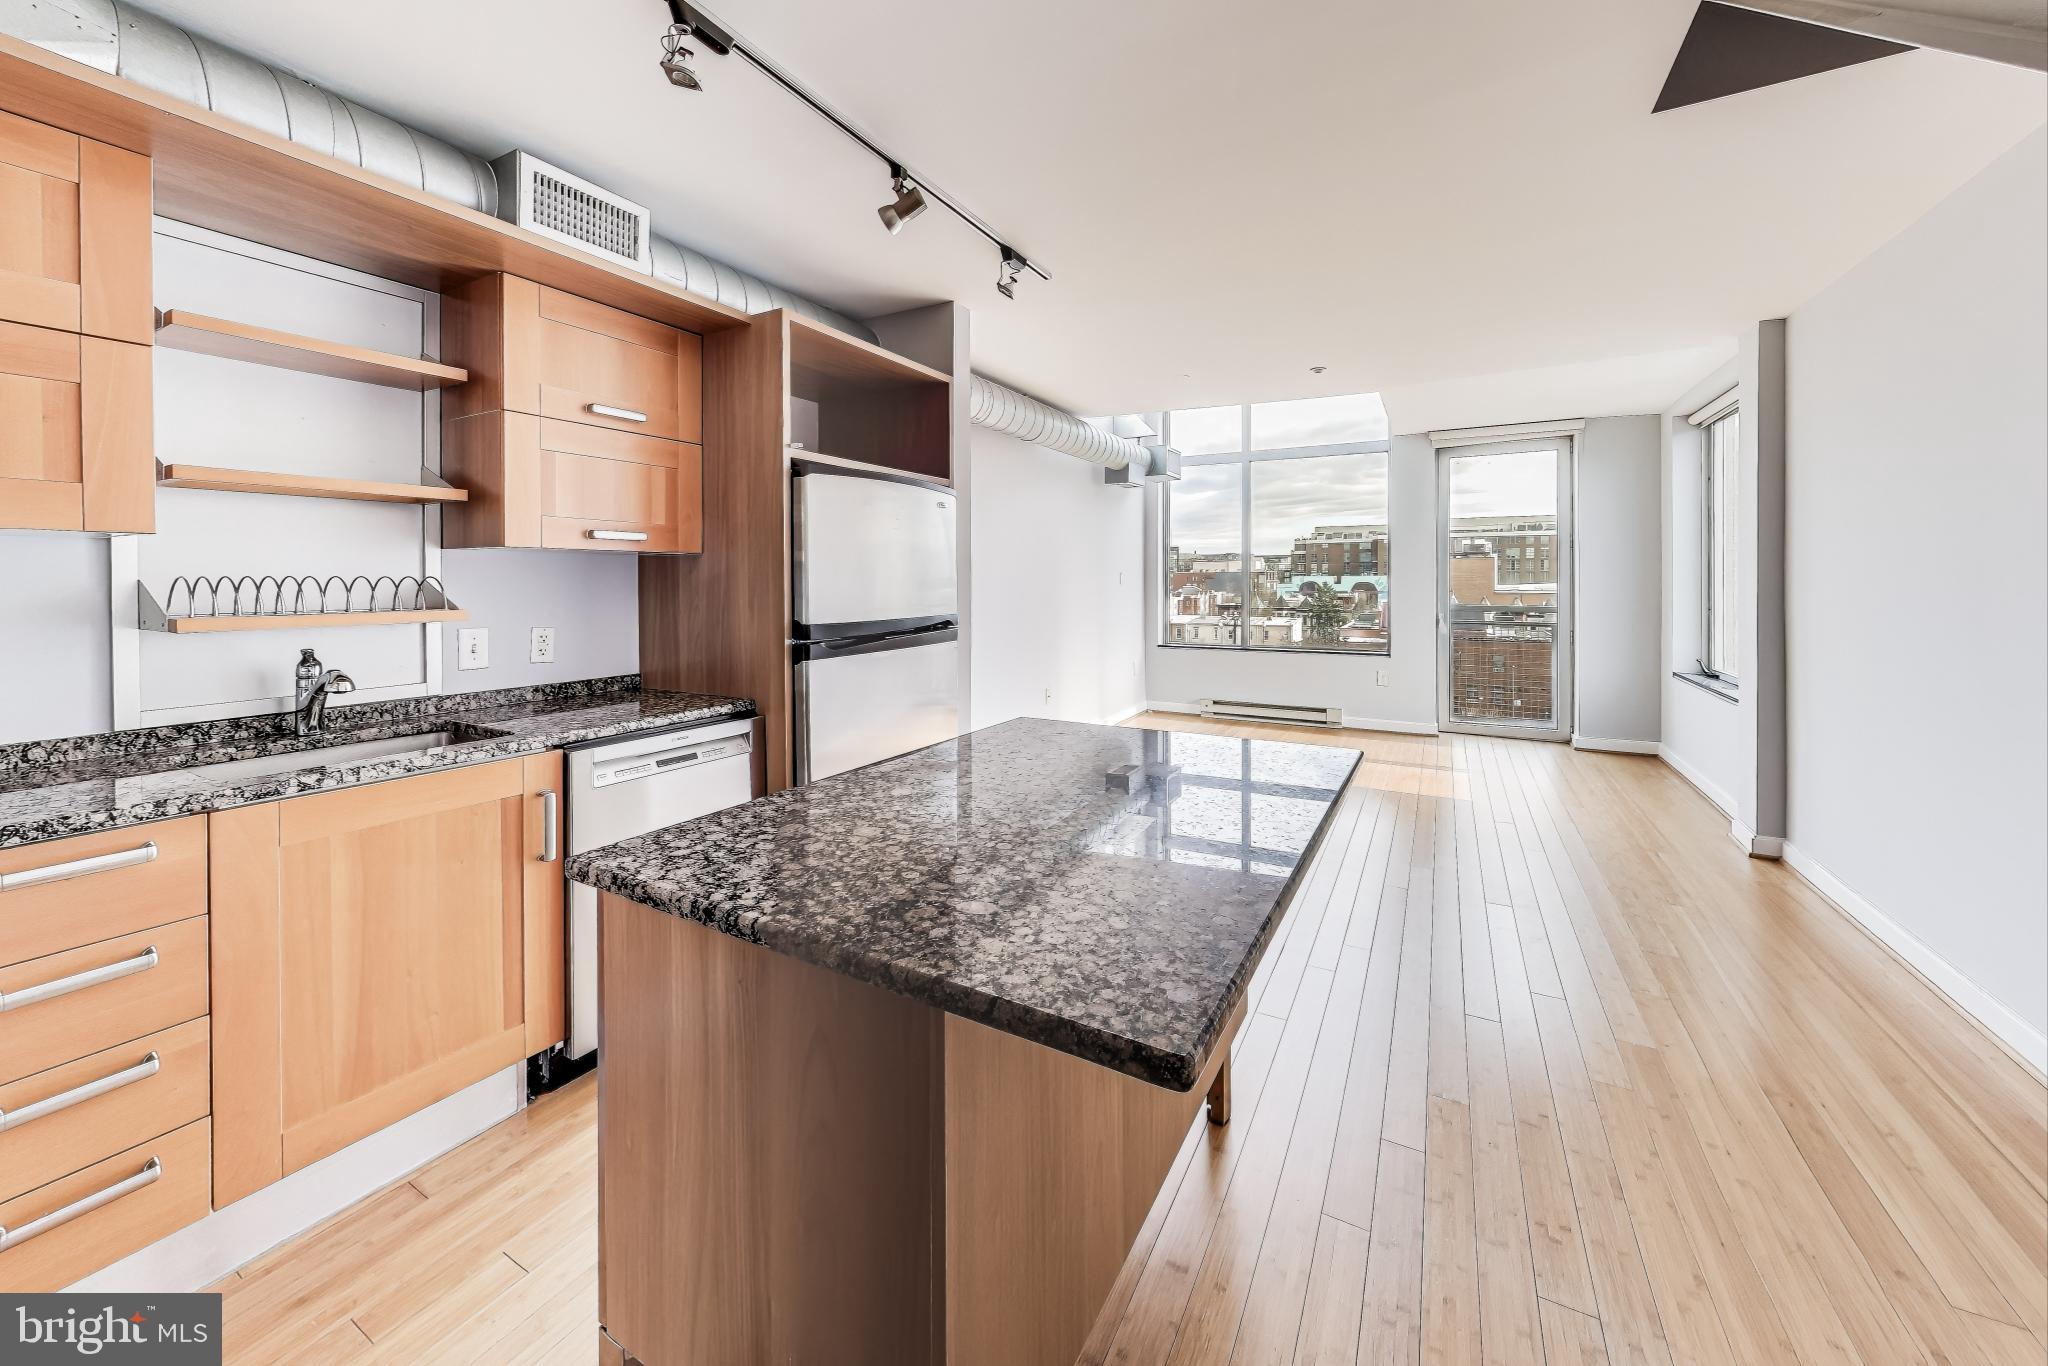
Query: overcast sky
column 1293, row 497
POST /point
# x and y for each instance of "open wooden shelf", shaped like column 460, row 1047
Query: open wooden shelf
column 219, row 174
column 832, row 360
column 180, row 626
column 304, row 485
column 183, row 330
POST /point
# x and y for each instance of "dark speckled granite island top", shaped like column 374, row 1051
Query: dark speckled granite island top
column 53, row 788
column 1103, row 890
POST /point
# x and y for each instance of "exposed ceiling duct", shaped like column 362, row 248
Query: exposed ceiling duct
column 1002, row 409
column 134, row 44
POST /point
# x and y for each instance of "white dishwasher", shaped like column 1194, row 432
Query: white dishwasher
column 630, row 786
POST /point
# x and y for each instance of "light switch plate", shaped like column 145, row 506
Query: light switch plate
column 543, row 651
column 472, row 648
column 1385, row 677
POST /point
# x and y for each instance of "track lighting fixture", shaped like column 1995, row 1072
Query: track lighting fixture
column 675, row 58
column 908, row 204
column 914, row 194
column 1006, row 278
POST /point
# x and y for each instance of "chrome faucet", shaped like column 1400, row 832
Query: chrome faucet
column 314, row 683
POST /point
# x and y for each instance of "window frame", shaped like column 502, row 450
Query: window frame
column 1244, row 458
column 1709, row 523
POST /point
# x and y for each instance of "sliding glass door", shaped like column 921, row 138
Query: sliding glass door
column 1504, row 606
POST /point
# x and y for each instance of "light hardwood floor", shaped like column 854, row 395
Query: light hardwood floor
column 1542, row 1069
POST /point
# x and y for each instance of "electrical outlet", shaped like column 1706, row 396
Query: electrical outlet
column 1384, row 677
column 543, row 651
column 473, row 648
column 1048, row 697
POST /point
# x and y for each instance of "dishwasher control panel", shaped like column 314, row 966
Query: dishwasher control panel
column 626, row 769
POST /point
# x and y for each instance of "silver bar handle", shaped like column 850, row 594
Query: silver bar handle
column 78, row 981
column 607, row 410
column 550, row 832
column 64, row 1100
column 15, row 1237
column 78, row 867
column 616, row 535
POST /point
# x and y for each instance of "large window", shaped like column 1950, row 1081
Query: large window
column 1276, row 533
column 1720, row 621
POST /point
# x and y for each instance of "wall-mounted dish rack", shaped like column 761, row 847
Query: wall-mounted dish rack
column 205, row 605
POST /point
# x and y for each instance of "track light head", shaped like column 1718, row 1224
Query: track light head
column 908, row 204
column 675, row 58
column 1008, row 273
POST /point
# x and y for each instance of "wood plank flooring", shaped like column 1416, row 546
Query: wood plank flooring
column 1540, row 1070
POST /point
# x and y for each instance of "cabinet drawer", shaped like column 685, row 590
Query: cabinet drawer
column 631, row 506
column 55, row 1122
column 79, row 1223
column 74, row 233
column 67, row 893
column 537, row 481
column 105, row 994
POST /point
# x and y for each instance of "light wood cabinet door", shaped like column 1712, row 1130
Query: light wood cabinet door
column 400, row 949
column 75, row 443
column 547, row 482
column 74, row 233
column 368, row 959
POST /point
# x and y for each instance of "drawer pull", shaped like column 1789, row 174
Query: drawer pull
column 78, row 867
column 607, row 410
column 64, row 1100
column 616, row 535
column 550, row 835
column 78, row 981
column 15, row 1237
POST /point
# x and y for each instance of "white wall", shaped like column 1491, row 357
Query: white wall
column 1181, row 675
column 54, row 670
column 1617, row 520
column 591, row 598
column 1057, row 607
column 1915, row 582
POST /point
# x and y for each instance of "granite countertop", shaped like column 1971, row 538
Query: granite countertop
column 53, row 788
column 1103, row 890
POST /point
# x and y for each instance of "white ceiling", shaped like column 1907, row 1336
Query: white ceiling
column 1467, row 200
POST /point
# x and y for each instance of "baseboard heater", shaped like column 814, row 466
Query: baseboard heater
column 1286, row 713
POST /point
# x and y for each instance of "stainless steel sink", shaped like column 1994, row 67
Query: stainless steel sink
column 330, row 756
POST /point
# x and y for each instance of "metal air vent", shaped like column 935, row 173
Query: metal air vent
column 548, row 200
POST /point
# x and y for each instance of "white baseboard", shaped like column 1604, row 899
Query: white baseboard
column 1706, row 787
column 203, row 1252
column 2018, row 1037
column 1350, row 722
column 1606, row 746
column 1753, row 844
column 1126, row 714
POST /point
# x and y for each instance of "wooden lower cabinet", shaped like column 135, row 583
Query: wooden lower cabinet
column 148, row 1191
column 369, row 958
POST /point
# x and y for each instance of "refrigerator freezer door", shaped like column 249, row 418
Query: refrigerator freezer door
column 870, row 551
column 856, row 709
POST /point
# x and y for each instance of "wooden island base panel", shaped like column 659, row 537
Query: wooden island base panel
column 893, row 1066
column 782, row 1149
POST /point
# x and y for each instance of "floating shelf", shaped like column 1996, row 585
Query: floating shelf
column 430, row 605
column 182, row 330
column 431, row 489
column 181, row 626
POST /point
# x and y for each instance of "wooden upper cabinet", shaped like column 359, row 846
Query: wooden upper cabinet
column 74, row 233
column 579, row 427
column 532, row 349
column 75, row 326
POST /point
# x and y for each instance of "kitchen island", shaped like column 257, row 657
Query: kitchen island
column 892, row 1066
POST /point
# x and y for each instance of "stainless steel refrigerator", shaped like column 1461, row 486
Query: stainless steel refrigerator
column 877, row 625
